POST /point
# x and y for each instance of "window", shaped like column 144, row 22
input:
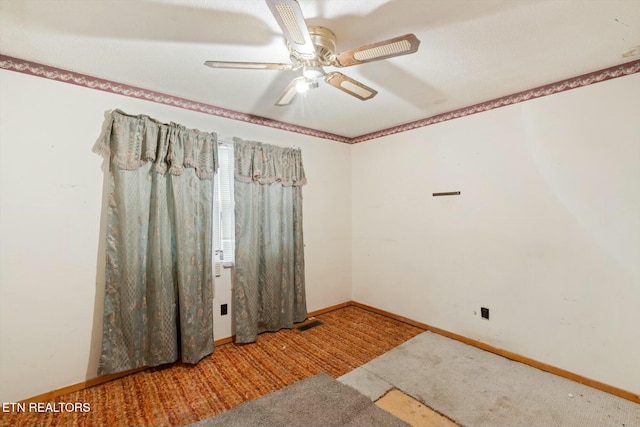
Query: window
column 223, row 208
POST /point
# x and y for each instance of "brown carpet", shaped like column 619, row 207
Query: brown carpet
column 181, row 394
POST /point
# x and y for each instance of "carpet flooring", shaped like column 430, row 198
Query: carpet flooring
column 476, row 388
column 318, row 401
column 182, row 394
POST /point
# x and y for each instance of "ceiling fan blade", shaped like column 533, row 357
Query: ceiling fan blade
column 350, row 86
column 248, row 65
column 397, row 46
column 289, row 93
column 291, row 21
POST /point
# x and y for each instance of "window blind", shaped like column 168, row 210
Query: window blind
column 224, row 223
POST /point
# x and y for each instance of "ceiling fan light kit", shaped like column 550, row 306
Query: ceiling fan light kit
column 314, row 47
column 303, row 85
column 313, row 72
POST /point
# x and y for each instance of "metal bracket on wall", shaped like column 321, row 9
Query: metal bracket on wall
column 449, row 193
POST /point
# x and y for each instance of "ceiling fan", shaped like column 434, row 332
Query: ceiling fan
column 313, row 47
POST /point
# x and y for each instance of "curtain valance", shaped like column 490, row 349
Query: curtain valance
column 267, row 164
column 131, row 141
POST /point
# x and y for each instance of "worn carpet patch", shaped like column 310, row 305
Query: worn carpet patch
column 316, row 401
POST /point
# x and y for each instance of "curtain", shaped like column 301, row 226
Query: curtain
column 158, row 303
column 269, row 263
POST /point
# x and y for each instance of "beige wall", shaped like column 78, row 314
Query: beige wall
column 546, row 232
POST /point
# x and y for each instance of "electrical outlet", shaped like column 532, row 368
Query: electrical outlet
column 223, row 310
column 484, row 312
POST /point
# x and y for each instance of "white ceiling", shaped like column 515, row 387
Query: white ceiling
column 471, row 50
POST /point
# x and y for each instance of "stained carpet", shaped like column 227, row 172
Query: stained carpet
column 181, row 394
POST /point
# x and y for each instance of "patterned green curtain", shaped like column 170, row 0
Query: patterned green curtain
column 158, row 303
column 269, row 265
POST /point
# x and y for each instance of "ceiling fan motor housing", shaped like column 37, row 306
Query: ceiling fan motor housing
column 325, row 43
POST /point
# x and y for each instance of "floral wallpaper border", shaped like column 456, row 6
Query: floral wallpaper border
column 561, row 86
column 59, row 74
column 53, row 73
